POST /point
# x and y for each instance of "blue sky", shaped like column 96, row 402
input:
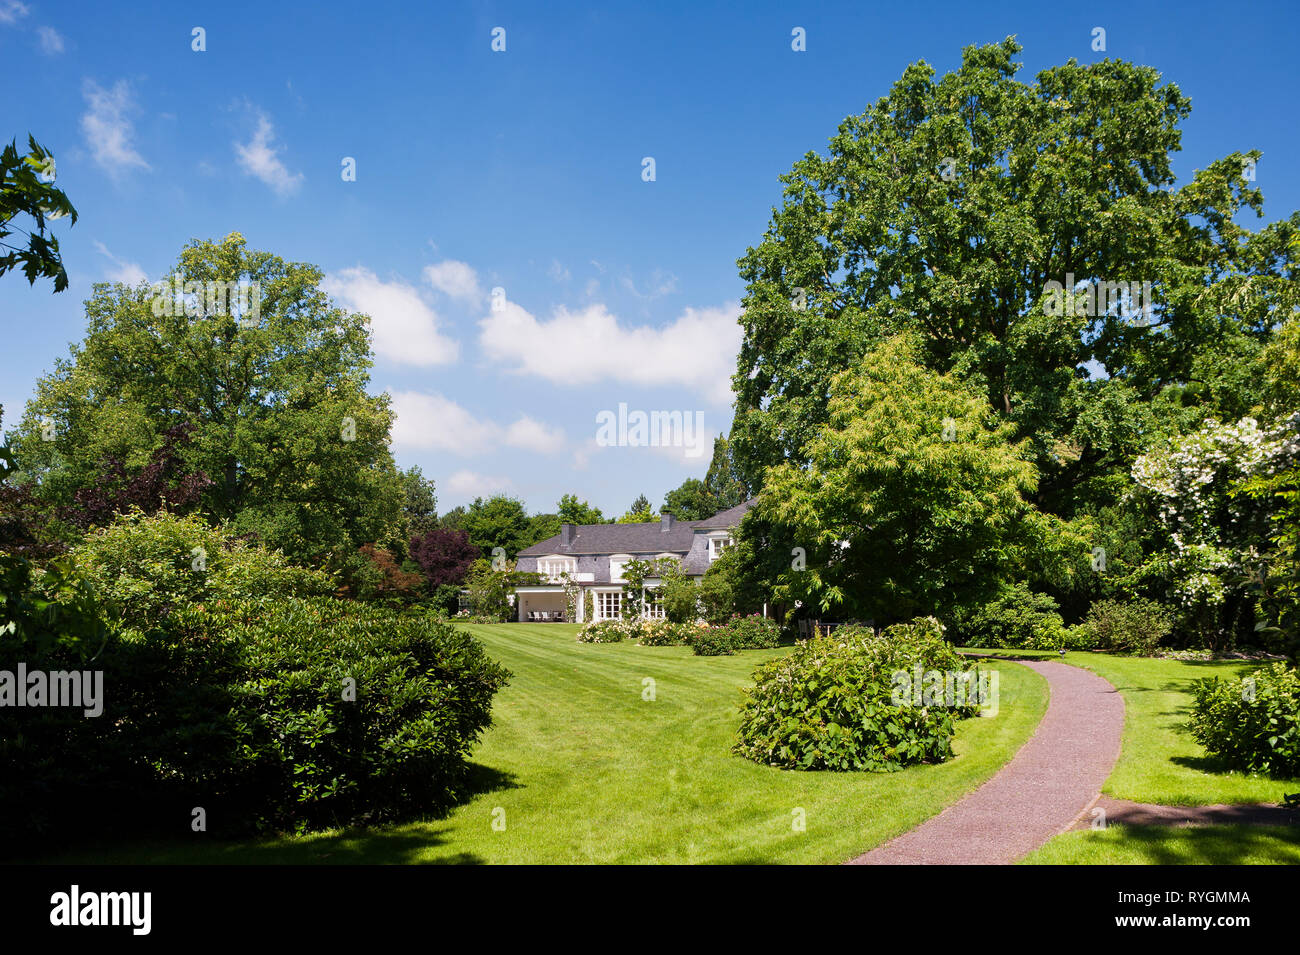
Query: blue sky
column 522, row 170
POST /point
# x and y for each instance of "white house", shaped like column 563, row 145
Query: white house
column 594, row 555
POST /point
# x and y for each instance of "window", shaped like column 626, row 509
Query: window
column 609, row 604
column 616, row 564
column 654, row 604
column 553, row 567
column 717, row 545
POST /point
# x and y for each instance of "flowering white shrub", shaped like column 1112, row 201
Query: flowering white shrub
column 609, row 631
column 1213, row 533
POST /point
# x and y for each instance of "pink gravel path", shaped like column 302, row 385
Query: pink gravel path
column 1042, row 792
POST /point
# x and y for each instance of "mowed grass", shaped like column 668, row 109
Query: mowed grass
column 1165, row 845
column 1161, row 763
column 581, row 769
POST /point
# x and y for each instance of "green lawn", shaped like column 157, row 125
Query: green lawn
column 1161, row 763
column 584, row 770
column 1164, row 845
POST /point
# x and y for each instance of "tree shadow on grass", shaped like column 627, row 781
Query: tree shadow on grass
column 395, row 842
column 1217, row 845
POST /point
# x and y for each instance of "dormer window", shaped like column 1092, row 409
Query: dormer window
column 555, row 566
column 616, row 564
column 719, row 544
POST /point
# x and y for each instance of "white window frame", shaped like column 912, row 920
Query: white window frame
column 652, row 607
column 620, row 561
column 606, row 598
column 718, row 544
column 554, row 566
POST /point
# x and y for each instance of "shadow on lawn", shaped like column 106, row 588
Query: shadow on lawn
column 398, row 842
column 1217, row 845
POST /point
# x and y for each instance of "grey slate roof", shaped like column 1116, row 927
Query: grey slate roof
column 633, row 539
column 618, row 539
column 726, row 519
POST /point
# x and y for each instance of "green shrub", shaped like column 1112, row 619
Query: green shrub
column 343, row 713
column 224, row 689
column 713, row 641
column 1017, row 619
column 285, row 714
column 143, row 566
column 680, row 593
column 754, row 633
column 609, row 631
column 1135, row 626
column 1252, row 724
column 717, row 589
column 445, row 599
column 666, row 633
column 1080, row 638
column 831, row 703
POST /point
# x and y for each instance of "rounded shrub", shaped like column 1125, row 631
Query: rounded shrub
column 1253, row 723
column 1133, row 626
column 831, row 704
column 1016, row 619
column 754, row 632
column 144, row 566
column 665, row 633
column 713, row 642
column 225, row 687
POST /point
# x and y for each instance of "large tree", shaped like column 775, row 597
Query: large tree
column 573, row 511
column 723, row 487
column 948, row 208
column 498, row 521
column 639, row 512
column 444, row 555
column 913, row 499
column 420, row 502
column 274, row 385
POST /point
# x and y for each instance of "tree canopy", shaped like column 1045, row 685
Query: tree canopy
column 948, row 208
column 274, row 388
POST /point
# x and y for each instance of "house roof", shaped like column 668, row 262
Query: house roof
column 648, row 538
column 726, row 519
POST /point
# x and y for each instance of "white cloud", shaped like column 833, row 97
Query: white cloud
column 697, row 351
column 531, row 435
column 432, row 422
column 558, row 272
column 405, row 328
column 107, row 129
column 455, row 279
column 467, row 484
column 51, row 41
column 259, row 157
column 429, row 421
column 128, row 273
column 11, row 11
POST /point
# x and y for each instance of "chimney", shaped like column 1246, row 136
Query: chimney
column 566, row 535
column 665, row 521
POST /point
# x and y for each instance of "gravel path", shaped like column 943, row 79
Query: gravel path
column 1046, row 788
